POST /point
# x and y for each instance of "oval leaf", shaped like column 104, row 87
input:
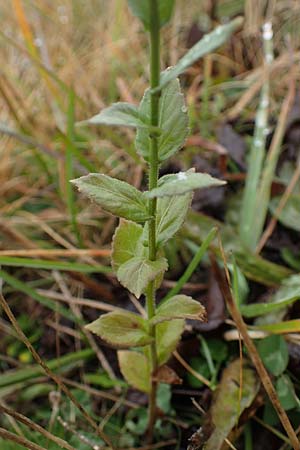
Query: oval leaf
column 122, row 114
column 206, row 45
column 127, row 243
column 182, row 182
column 179, row 307
column 140, row 9
column 171, row 213
column 122, row 329
column 137, row 273
column 286, row 393
column 168, row 335
column 274, row 353
column 114, row 196
column 135, row 369
column 173, row 122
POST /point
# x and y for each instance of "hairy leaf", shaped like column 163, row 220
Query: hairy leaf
column 171, row 213
column 137, row 273
column 173, row 122
column 135, row 369
column 122, row 329
column 168, row 335
column 123, row 114
column 179, row 307
column 114, row 196
column 141, row 9
column 182, row 182
column 127, row 243
column 206, row 45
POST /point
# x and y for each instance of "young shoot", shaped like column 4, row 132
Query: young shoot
column 149, row 219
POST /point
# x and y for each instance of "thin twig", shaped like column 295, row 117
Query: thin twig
column 191, row 370
column 19, row 440
column 76, row 311
column 57, row 252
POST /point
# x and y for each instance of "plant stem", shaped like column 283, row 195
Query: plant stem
column 153, row 179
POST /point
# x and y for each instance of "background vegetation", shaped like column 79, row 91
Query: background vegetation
column 61, row 62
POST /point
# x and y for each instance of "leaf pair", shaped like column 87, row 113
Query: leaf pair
column 130, row 256
column 135, row 366
column 207, row 44
column 130, row 261
column 172, row 127
column 125, row 329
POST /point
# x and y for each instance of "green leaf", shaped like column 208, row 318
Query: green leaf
column 123, row 114
column 136, row 423
column 179, row 307
column 206, row 45
column 127, row 243
column 114, row 196
column 122, row 329
column 182, row 182
column 135, row 369
column 286, row 326
column 274, row 353
column 286, row 393
column 289, row 215
column 290, row 258
column 259, row 309
column 171, row 213
column 168, row 335
column 218, row 349
column 163, row 397
column 173, row 122
column 141, row 9
column 137, row 273
column 201, row 367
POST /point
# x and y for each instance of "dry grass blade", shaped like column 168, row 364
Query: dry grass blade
column 76, row 311
column 51, row 374
column 224, row 284
column 7, row 435
column 23, row 419
column 57, row 252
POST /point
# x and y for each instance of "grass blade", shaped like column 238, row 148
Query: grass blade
column 22, row 287
column 52, row 265
column 28, row 373
column 192, row 266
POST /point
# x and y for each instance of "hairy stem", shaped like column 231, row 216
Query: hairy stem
column 153, row 179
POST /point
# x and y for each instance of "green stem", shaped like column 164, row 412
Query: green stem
column 153, row 179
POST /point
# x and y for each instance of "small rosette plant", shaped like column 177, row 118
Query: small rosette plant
column 149, row 219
